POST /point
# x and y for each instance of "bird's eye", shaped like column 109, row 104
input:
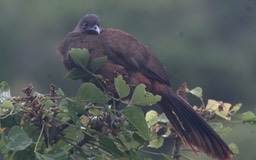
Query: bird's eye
column 85, row 24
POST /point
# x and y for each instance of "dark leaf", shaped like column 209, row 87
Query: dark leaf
column 56, row 153
column 76, row 73
column 109, row 145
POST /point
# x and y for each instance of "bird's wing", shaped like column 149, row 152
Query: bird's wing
column 126, row 50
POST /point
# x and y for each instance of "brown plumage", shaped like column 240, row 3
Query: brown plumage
column 132, row 59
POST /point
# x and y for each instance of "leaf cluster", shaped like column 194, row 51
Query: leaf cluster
column 91, row 125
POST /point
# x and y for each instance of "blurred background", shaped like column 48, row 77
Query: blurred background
column 205, row 43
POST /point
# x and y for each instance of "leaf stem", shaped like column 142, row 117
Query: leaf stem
column 40, row 135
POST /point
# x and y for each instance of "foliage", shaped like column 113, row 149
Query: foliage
column 54, row 126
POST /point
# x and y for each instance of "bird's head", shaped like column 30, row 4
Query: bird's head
column 90, row 24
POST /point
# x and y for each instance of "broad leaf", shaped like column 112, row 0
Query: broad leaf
column 142, row 97
column 220, row 129
column 88, row 92
column 219, row 108
column 17, row 139
column 7, row 105
column 79, row 56
column 156, row 143
column 197, row 92
column 136, row 118
column 234, row 148
column 123, row 90
column 248, row 117
column 76, row 73
column 59, row 92
column 56, row 153
column 109, row 145
column 151, row 118
column 129, row 140
column 163, row 118
column 97, row 63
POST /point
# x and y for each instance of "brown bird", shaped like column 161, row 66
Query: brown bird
column 132, row 59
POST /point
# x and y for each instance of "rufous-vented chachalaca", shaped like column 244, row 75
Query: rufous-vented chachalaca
column 134, row 61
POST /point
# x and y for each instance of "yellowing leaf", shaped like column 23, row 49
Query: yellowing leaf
column 220, row 108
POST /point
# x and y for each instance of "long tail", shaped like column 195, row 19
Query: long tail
column 192, row 128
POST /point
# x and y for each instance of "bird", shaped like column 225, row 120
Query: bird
column 129, row 57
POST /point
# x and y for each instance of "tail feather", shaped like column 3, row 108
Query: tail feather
column 192, row 128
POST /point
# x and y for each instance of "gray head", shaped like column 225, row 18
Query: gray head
column 90, row 24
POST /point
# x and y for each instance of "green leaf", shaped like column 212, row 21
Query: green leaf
column 56, row 153
column 79, row 154
column 248, row 117
column 4, row 91
column 142, row 97
column 71, row 132
column 234, row 148
column 162, row 118
column 220, row 129
column 136, row 118
column 59, row 92
column 151, row 118
column 95, row 111
column 88, row 92
column 197, row 92
column 97, row 63
column 17, row 139
column 23, row 155
column 156, row 143
column 128, row 140
column 7, row 105
column 109, row 145
column 76, row 73
column 236, row 108
column 4, row 86
column 48, row 103
column 79, row 56
column 84, row 120
column 123, row 90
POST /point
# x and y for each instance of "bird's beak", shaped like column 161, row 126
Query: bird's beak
column 93, row 30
